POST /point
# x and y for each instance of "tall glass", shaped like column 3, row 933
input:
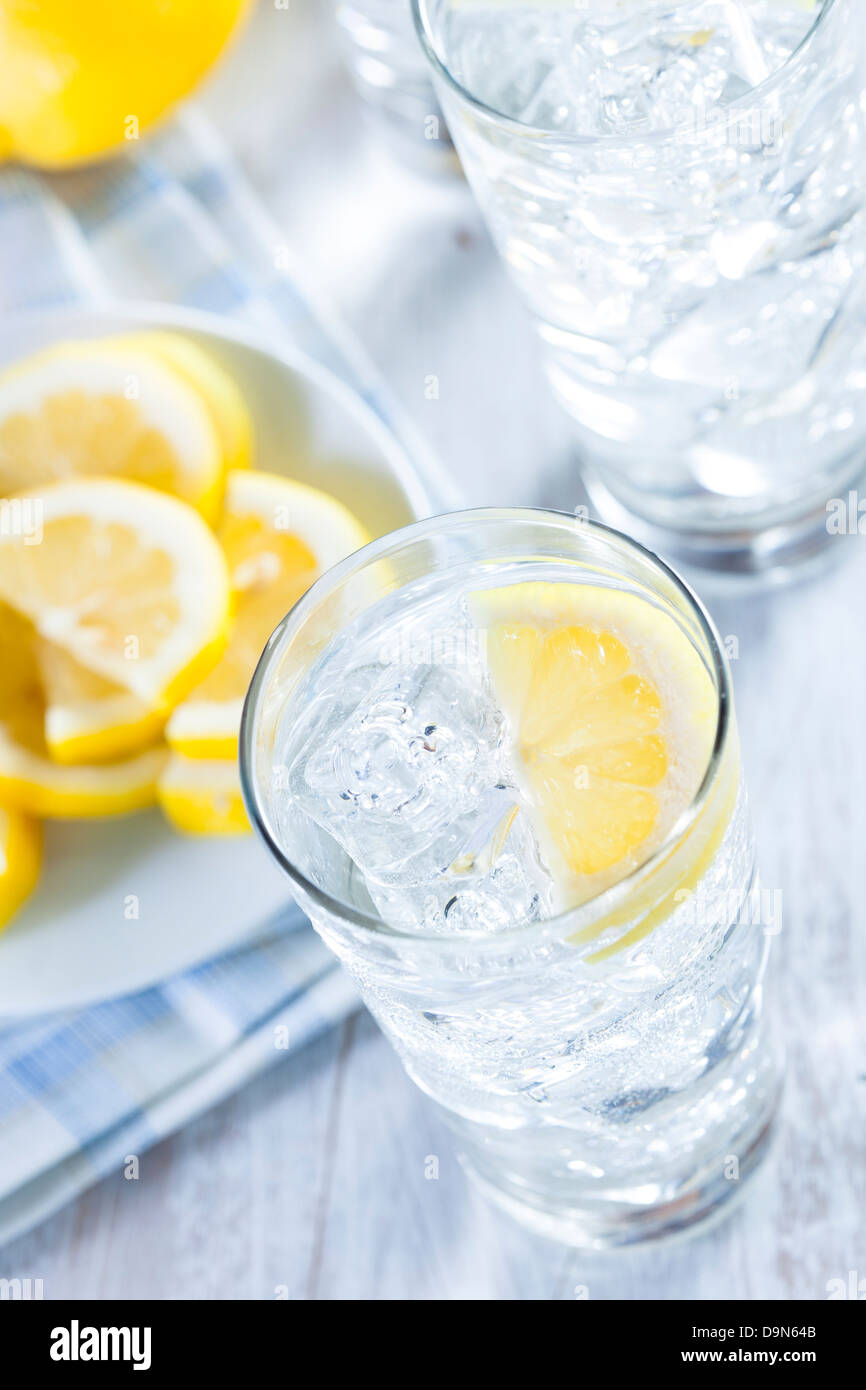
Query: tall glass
column 678, row 188
column 607, row 1071
column 391, row 76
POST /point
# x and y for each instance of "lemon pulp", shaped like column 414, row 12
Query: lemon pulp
column 612, row 718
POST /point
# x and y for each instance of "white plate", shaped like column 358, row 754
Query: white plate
column 78, row 941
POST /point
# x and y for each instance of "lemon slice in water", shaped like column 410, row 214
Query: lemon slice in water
column 612, row 716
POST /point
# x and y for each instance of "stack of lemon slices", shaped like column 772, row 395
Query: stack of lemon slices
column 143, row 565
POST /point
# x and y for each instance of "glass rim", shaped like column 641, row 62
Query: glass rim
column 423, row 29
column 386, row 546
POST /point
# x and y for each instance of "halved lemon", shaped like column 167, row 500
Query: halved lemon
column 612, row 716
column 214, row 384
column 80, row 80
column 277, row 535
column 20, row 860
column 202, row 796
column 130, row 582
column 108, row 408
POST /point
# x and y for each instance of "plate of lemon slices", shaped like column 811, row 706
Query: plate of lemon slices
column 169, row 487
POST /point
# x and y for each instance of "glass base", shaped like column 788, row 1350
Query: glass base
column 620, row 1223
column 718, row 560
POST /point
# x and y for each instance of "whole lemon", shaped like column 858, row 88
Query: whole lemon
column 78, row 78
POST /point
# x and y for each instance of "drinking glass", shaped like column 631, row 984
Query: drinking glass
column 391, row 76
column 607, row 1071
column 678, row 187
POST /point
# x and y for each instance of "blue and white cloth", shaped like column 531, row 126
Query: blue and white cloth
column 174, row 222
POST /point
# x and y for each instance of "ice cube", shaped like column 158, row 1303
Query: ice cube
column 388, row 773
column 406, row 768
column 615, row 66
column 748, row 336
column 500, row 884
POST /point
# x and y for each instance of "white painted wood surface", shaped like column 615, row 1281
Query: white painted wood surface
column 311, row 1182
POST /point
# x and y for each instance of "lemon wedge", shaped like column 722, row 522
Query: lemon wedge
column 129, row 582
column 31, row 782
column 85, row 717
column 278, row 535
column 109, row 408
column 202, row 796
column 20, row 860
column 89, row 719
column 612, row 716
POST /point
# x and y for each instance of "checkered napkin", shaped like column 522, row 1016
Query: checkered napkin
column 80, row 1092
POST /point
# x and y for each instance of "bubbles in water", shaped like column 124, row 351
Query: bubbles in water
column 699, row 294
column 609, row 68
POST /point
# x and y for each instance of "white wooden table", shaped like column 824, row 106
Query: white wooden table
column 310, row 1183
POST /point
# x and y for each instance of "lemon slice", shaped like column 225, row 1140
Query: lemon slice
column 89, row 719
column 93, row 407
column 34, row 784
column 129, row 582
column 20, row 860
column 278, row 535
column 216, row 387
column 612, row 716
column 202, row 796
column 20, row 686
column 86, row 718
column 31, row 782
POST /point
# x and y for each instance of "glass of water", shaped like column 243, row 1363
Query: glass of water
column 678, row 188
column 496, row 755
column 390, row 73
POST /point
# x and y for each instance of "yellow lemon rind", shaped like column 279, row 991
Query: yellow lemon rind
column 202, row 726
column 103, row 743
column 165, row 399
column 69, row 78
column 214, row 384
column 37, row 786
column 202, row 798
column 20, row 860
column 200, row 585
